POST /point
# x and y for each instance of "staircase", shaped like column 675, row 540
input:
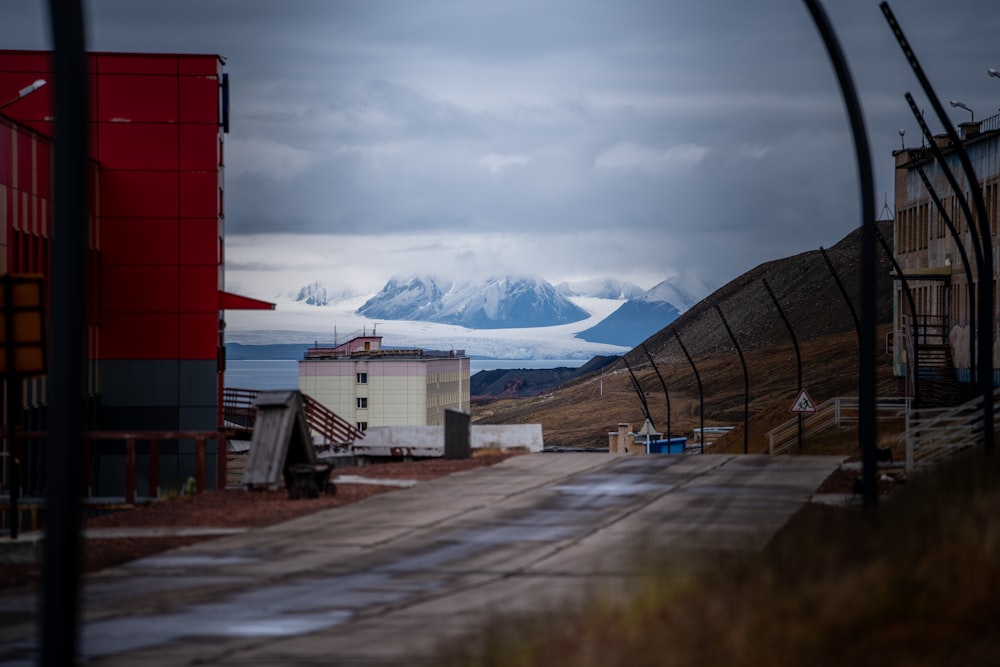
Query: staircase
column 239, row 410
column 938, row 385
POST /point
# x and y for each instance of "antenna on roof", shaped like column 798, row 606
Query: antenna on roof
column 885, row 210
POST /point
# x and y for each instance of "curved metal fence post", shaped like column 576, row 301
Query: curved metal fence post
column 795, row 344
column 701, row 390
column 963, row 203
column 843, row 292
column 662, row 384
column 939, row 205
column 913, row 315
column 869, row 267
column 638, row 390
column 746, row 383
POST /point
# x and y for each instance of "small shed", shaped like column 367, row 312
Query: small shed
column 280, row 440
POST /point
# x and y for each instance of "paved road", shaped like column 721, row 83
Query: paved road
column 382, row 581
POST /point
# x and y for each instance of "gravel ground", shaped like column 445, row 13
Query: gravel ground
column 233, row 508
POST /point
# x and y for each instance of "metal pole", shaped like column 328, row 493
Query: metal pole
column 10, row 408
column 843, row 292
column 662, row 384
column 746, row 384
column 914, row 335
column 60, row 589
column 701, row 390
column 965, row 266
column 638, row 390
column 13, row 455
column 984, row 332
column 795, row 344
column 869, row 267
column 977, row 242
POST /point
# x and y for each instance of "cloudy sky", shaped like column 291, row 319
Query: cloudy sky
column 566, row 138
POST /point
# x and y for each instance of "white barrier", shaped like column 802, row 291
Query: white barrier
column 429, row 440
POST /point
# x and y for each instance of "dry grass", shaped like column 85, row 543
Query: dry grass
column 582, row 413
column 917, row 583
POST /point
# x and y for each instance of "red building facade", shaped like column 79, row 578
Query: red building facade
column 157, row 243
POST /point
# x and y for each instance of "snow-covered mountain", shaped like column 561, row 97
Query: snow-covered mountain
column 642, row 316
column 317, row 294
column 496, row 303
column 682, row 292
column 601, row 288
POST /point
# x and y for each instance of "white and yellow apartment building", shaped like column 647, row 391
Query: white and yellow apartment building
column 372, row 386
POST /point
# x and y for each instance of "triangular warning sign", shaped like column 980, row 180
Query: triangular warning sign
column 803, row 404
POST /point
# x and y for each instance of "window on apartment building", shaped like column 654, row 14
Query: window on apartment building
column 362, row 378
column 361, row 426
column 362, row 402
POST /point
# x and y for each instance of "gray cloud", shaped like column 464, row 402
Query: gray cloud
column 685, row 136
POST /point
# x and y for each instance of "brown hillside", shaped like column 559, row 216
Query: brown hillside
column 581, row 413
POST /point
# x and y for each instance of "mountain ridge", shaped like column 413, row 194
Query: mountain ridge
column 504, row 302
column 582, row 411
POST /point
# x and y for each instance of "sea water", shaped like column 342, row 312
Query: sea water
column 278, row 374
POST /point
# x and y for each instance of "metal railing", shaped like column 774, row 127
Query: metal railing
column 990, row 124
column 831, row 413
column 239, row 409
column 934, row 434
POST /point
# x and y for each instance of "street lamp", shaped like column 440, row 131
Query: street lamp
column 27, row 90
column 956, row 103
column 992, row 72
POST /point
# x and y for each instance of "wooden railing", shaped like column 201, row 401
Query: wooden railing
column 153, row 438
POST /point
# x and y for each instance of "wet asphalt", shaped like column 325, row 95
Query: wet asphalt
column 387, row 580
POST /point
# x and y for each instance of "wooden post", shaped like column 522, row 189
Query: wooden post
column 130, row 471
column 199, row 464
column 154, row 468
column 85, row 469
column 221, row 462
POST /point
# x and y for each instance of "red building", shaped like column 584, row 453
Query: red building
column 157, row 240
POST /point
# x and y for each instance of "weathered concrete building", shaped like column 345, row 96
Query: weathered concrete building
column 372, row 386
column 936, row 264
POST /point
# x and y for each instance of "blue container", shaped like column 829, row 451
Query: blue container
column 671, row 446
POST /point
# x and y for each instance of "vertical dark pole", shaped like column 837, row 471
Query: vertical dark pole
column 984, row 332
column 746, row 384
column 795, row 344
column 662, row 384
column 869, row 266
column 11, row 407
column 60, row 589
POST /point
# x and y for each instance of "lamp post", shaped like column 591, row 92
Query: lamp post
column 24, row 92
column 959, row 105
column 992, row 72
